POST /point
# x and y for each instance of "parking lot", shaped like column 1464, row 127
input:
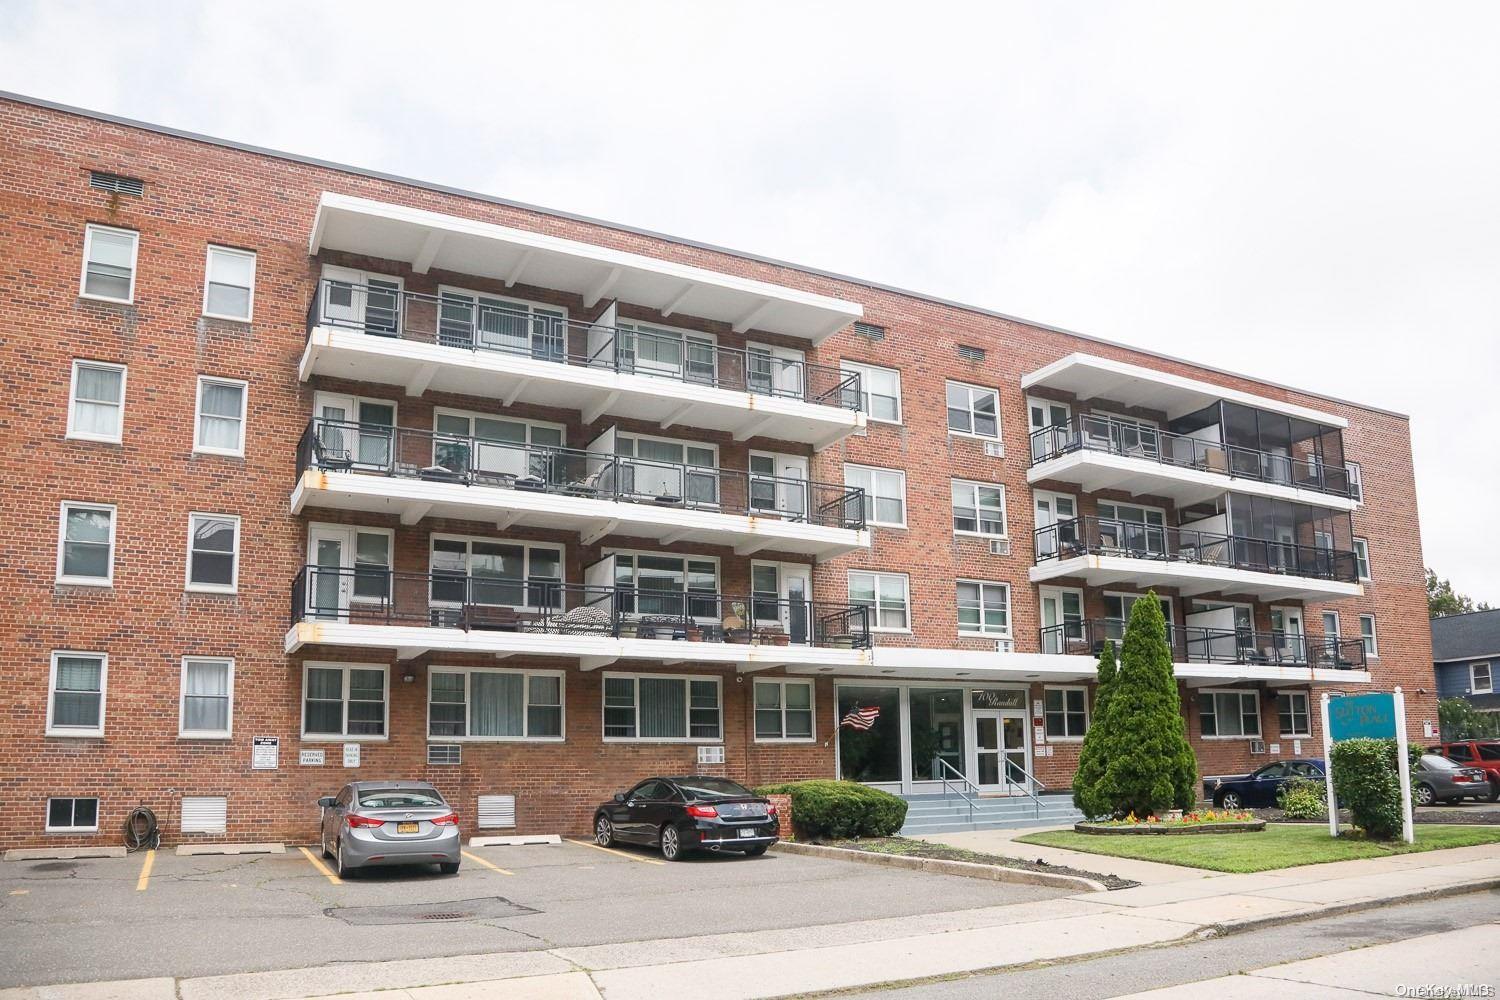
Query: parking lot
column 164, row 915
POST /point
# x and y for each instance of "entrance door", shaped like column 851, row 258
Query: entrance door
column 778, row 483
column 1062, row 621
column 1013, row 746
column 783, row 598
column 1044, row 413
column 999, row 750
column 361, row 300
column 1051, row 509
column 361, row 431
column 1286, row 631
column 775, row 371
column 330, row 581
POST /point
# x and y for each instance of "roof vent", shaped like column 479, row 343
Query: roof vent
column 870, row 331
column 970, row 353
column 116, row 183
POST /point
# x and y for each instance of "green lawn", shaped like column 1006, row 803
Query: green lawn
column 1280, row 845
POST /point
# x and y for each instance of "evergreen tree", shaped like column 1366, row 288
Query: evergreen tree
column 1087, row 795
column 1148, row 765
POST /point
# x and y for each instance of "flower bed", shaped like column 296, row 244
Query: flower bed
column 1206, row 821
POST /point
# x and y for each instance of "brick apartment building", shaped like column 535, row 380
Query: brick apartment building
column 427, row 484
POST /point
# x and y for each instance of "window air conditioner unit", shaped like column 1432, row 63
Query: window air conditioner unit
column 1005, row 646
column 1257, row 746
column 994, row 449
column 444, row 753
column 999, row 546
column 711, row 755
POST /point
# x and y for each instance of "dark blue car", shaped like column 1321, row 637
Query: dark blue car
column 1260, row 788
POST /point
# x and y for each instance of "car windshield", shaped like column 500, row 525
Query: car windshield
column 710, row 788
column 1489, row 752
column 1435, row 763
column 399, row 798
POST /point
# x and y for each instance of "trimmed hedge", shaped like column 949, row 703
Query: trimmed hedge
column 1303, row 798
column 1367, row 783
column 837, row 810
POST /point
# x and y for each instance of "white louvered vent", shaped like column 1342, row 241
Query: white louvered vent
column 711, row 755
column 497, row 812
column 994, row 449
column 870, row 330
column 116, row 183
column 204, row 813
column 444, row 753
column 999, row 546
column 970, row 353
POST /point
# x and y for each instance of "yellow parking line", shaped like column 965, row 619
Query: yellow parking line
column 317, row 863
column 623, row 854
column 480, row 861
column 145, row 879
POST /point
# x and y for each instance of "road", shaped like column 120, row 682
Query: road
column 1153, row 968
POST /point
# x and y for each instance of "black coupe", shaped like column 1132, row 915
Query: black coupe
column 692, row 813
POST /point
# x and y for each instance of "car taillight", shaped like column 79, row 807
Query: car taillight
column 356, row 822
column 770, row 809
column 449, row 820
column 702, row 812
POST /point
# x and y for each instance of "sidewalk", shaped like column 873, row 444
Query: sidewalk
column 861, row 953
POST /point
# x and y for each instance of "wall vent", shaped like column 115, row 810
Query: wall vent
column 969, row 353
column 444, row 753
column 116, row 183
column 711, row 755
column 497, row 812
column 999, row 546
column 204, row 813
column 870, row 331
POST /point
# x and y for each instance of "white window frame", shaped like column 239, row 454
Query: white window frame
column 47, row 826
column 1242, row 694
column 306, row 737
column 89, row 732
column 1489, row 677
column 982, row 631
column 1362, row 559
column 1143, row 508
column 975, row 484
column 874, row 618
column 199, row 448
column 1087, row 712
column 999, row 429
column 354, row 531
column 1338, row 626
column 875, row 471
column 687, row 680
column 861, row 369
column 204, row 734
column 781, row 683
column 108, row 580
column 1306, row 714
column 208, row 273
column 470, row 415
column 469, row 540
column 77, row 435
column 526, row 675
column 1356, row 480
column 234, row 565
column 88, row 245
column 1169, row 612
column 1370, row 639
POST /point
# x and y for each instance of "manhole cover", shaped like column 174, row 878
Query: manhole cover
column 487, row 908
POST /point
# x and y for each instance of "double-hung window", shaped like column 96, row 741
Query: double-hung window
column 1293, row 715
column 1362, row 558
column 229, row 284
column 344, row 700
column 498, row 574
column 1367, row 633
column 887, row 597
column 973, row 410
column 1331, row 626
column 207, row 698
column 676, row 586
column 220, row 422
column 978, row 508
column 96, row 402
column 1229, row 713
column 661, row 707
column 984, row 608
column 486, row 704
column 783, row 711
column 879, row 391
column 109, row 263
column 72, row 815
column 1067, row 712
column 213, row 552
column 885, row 493
column 1481, row 681
column 86, row 544
column 75, row 695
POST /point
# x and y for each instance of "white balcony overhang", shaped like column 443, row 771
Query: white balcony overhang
column 591, row 652
column 1089, row 377
column 418, row 367
column 431, row 240
column 1190, row 579
column 1099, row 470
column 981, row 666
column 413, row 499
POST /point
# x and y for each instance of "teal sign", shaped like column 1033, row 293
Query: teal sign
column 1362, row 716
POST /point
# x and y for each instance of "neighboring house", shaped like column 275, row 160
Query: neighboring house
column 1466, row 657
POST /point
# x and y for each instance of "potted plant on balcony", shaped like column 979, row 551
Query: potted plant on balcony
column 694, row 632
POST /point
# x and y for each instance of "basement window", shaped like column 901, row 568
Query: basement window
column 72, row 815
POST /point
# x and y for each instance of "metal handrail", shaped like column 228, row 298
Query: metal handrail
column 1031, row 780
column 1131, row 440
column 961, row 777
column 544, row 334
column 1202, row 644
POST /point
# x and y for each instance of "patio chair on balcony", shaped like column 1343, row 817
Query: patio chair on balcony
column 441, row 474
column 332, row 459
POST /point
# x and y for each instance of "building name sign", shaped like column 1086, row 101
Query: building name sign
column 1362, row 716
column 998, row 699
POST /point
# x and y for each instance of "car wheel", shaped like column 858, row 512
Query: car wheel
column 755, row 852
column 1425, row 795
column 448, row 867
column 671, row 844
column 323, row 846
column 338, row 861
column 1230, row 800
column 604, row 832
column 1494, row 792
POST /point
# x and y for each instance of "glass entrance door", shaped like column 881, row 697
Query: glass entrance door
column 987, row 754
column 1013, row 746
column 1000, row 750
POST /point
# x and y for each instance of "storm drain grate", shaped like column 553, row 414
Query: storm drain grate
column 486, row 908
column 446, row 916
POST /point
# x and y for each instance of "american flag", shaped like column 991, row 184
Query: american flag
column 861, row 718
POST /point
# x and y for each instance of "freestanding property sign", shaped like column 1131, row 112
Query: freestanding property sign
column 1378, row 716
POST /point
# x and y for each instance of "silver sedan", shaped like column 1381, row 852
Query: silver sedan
column 389, row 823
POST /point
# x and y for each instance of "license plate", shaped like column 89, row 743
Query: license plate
column 747, row 832
column 408, row 827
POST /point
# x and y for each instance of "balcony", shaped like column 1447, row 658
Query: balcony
column 1195, row 645
column 419, row 473
column 1102, row 551
column 1103, row 453
column 413, row 613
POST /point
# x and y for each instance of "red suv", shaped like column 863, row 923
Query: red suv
column 1483, row 754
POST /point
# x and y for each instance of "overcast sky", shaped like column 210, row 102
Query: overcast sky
column 1306, row 193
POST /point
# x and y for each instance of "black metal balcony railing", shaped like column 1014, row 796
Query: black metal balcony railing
column 373, row 596
column 1197, row 644
column 1132, row 440
column 547, row 336
column 1107, row 537
column 408, row 453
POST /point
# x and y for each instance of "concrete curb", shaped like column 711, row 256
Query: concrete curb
column 62, row 853
column 197, row 850
column 1353, row 906
column 967, row 869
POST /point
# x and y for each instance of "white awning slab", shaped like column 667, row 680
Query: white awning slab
column 431, row 240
